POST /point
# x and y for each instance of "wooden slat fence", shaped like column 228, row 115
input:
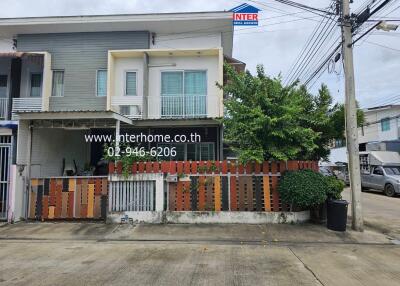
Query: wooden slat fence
column 221, row 185
column 68, row 198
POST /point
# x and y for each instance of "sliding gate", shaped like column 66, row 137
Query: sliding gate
column 5, row 162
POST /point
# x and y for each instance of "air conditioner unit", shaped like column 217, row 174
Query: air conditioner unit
column 130, row 110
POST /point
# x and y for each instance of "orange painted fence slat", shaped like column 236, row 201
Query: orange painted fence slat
column 252, row 187
column 67, row 198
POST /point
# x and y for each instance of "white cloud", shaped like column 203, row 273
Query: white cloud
column 274, row 45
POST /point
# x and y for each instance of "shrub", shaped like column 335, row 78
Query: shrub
column 303, row 188
column 335, row 188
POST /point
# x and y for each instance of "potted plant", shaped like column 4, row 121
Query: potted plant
column 303, row 189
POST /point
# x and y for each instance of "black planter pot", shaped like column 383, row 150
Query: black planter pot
column 318, row 213
column 337, row 215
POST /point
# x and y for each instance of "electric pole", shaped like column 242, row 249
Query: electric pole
column 351, row 117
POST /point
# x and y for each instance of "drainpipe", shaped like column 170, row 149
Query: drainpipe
column 27, row 182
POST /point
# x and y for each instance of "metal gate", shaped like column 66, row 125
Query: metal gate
column 5, row 162
column 132, row 196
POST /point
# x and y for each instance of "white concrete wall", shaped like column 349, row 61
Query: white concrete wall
column 6, row 45
column 373, row 132
column 207, row 63
column 50, row 146
column 186, row 40
column 121, row 65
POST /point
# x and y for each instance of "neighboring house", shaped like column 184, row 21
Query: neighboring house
column 380, row 132
column 381, row 129
column 62, row 78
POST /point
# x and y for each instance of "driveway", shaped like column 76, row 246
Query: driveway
column 380, row 212
column 98, row 254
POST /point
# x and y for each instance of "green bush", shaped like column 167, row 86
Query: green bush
column 335, row 188
column 303, row 188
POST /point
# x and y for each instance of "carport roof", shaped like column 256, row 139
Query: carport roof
column 71, row 115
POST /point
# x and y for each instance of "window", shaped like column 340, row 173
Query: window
column 3, row 85
column 58, row 83
column 130, row 83
column 101, row 83
column 36, row 84
column 385, row 124
column 378, row 171
column 183, row 93
column 191, row 151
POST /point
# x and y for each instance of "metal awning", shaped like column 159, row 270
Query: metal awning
column 18, row 54
column 73, row 115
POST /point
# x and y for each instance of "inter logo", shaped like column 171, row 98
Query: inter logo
column 245, row 15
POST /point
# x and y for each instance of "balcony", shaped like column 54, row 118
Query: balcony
column 27, row 104
column 179, row 106
column 3, row 108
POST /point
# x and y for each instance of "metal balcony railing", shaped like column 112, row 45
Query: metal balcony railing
column 183, row 106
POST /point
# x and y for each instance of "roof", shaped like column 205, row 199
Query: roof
column 70, row 115
column 159, row 23
column 381, row 107
column 245, row 8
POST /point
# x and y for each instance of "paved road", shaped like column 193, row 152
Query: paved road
column 98, row 254
column 380, row 212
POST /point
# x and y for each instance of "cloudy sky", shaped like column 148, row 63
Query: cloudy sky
column 276, row 43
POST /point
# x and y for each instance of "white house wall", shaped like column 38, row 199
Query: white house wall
column 207, row 63
column 6, row 45
column 121, row 65
column 50, row 146
column 373, row 132
column 186, row 41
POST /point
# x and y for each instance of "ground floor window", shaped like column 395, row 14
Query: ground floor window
column 191, row 151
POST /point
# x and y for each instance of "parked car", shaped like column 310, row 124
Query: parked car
column 326, row 171
column 380, row 170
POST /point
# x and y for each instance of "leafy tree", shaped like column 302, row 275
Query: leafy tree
column 264, row 118
column 338, row 120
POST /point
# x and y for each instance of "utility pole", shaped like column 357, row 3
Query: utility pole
column 351, row 117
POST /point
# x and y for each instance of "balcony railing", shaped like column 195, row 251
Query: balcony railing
column 188, row 106
column 3, row 108
column 26, row 104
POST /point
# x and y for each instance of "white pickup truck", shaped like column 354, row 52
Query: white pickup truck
column 380, row 170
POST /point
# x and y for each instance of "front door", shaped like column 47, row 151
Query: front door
column 5, row 162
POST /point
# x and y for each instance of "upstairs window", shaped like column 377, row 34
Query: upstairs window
column 3, row 85
column 58, row 83
column 385, row 124
column 36, row 85
column 130, row 83
column 101, row 85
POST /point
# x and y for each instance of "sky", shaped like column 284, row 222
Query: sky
column 276, row 43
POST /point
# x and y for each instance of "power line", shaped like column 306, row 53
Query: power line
column 383, row 46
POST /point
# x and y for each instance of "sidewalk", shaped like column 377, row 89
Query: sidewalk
column 100, row 254
column 226, row 233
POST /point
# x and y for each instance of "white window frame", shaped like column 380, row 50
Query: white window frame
column 125, row 73
column 30, row 85
column 183, row 71
column 52, row 82
column 97, row 91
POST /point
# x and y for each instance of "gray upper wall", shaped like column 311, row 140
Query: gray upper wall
column 80, row 55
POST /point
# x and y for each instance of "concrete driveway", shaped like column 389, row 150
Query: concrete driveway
column 380, row 212
column 99, row 254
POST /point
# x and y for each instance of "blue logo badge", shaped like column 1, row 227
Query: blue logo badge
column 245, row 15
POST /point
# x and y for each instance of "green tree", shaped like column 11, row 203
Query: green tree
column 338, row 120
column 264, row 119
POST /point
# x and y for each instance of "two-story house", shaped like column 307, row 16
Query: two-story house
column 62, row 78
